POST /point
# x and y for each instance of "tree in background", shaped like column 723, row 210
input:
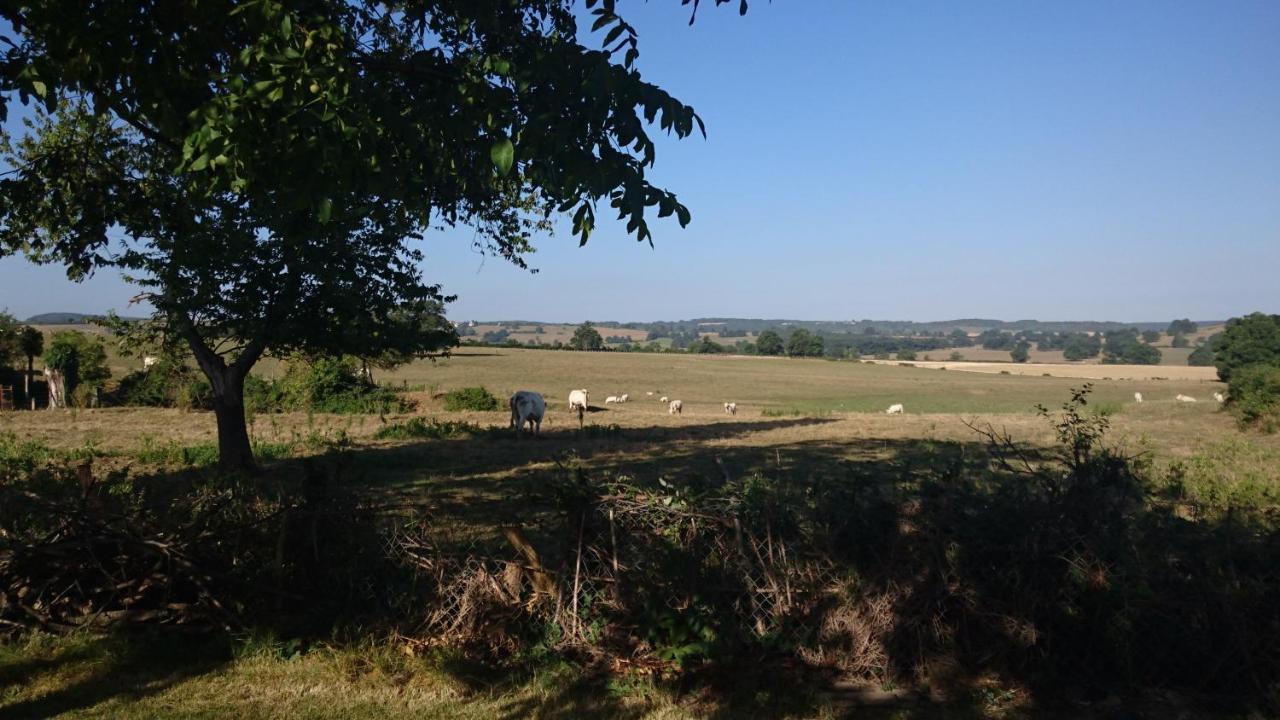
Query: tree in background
column 273, row 167
column 803, row 343
column 1123, row 346
column 1150, row 336
column 1180, row 341
column 586, row 337
column 1021, row 352
column 906, row 354
column 10, row 339
column 959, row 338
column 1203, row 355
column 31, row 344
column 1182, row 327
column 706, row 345
column 769, row 342
column 1250, row 340
column 80, row 363
column 1081, row 346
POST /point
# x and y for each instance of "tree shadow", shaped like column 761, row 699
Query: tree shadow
column 124, row 667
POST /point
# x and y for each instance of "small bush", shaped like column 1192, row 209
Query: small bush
column 427, row 428
column 471, row 398
column 1254, row 394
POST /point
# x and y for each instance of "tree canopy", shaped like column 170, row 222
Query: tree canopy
column 1250, row 340
column 586, row 337
column 266, row 171
column 768, row 342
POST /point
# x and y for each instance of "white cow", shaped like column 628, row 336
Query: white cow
column 1184, row 398
column 894, row 409
column 731, row 408
column 1219, row 397
column 578, row 400
column 1137, row 397
column 149, row 360
column 648, row 392
column 527, row 406
column 675, row 408
column 611, row 399
column 663, row 399
column 623, row 397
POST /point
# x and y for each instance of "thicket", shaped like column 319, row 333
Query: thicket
column 471, row 398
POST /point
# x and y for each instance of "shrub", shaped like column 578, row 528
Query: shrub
column 956, row 357
column 1021, row 352
column 1254, row 395
column 471, row 398
column 906, row 354
column 427, row 428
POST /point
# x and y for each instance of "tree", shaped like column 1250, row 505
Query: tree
column 1180, row 341
column 1123, row 346
column 31, row 343
column 768, row 342
column 906, row 354
column 586, row 337
column 1182, row 327
column 1250, row 340
column 1202, row 356
column 959, row 338
column 272, row 168
column 1150, row 336
column 803, row 343
column 81, row 361
column 10, row 339
column 706, row 345
column 1080, row 346
column 1021, row 352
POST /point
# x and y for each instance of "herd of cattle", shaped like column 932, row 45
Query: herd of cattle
column 529, row 407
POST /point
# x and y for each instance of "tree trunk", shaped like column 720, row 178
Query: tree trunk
column 235, row 454
column 26, row 382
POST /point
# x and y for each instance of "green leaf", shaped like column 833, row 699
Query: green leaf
column 326, row 210
column 40, row 88
column 503, row 154
column 199, row 163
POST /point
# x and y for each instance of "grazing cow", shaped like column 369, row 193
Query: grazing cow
column 611, row 399
column 894, row 409
column 623, row 397
column 663, row 399
column 1137, row 397
column 527, row 407
column 675, row 408
column 1184, row 398
column 731, row 408
column 1219, row 397
column 578, row 400
column 148, row 361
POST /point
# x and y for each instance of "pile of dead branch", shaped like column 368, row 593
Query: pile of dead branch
column 76, row 553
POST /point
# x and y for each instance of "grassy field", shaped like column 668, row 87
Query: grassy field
column 796, row 418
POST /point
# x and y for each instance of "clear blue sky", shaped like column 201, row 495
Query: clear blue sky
column 919, row 160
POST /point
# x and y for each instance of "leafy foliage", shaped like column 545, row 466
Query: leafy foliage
column 1021, row 352
column 1254, row 394
column 1182, row 327
column 81, row 357
column 586, row 337
column 802, row 343
column 471, row 398
column 769, row 342
column 1250, row 340
column 1123, row 346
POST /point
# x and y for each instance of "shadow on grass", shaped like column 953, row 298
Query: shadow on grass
column 94, row 670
